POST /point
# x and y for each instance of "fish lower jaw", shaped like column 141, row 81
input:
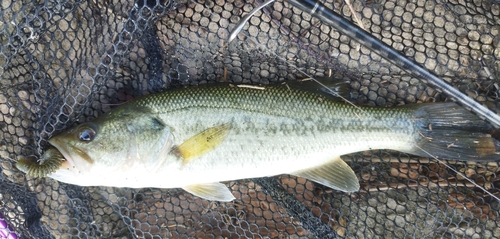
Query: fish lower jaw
column 69, row 162
column 75, row 158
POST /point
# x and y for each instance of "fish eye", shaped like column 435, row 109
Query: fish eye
column 86, row 134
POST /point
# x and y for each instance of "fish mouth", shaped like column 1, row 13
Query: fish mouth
column 76, row 158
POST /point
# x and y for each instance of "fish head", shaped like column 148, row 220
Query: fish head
column 76, row 146
column 117, row 143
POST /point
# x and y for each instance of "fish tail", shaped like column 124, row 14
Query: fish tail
column 451, row 132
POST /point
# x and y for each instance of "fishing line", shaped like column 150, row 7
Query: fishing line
column 317, row 9
column 373, row 117
column 323, row 85
column 318, row 6
column 459, row 173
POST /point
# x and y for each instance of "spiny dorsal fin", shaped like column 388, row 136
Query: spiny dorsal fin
column 202, row 143
column 211, row 191
column 336, row 89
column 336, row 174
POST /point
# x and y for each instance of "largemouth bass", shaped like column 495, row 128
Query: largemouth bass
column 194, row 138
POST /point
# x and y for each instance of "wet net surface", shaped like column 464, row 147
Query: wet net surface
column 63, row 62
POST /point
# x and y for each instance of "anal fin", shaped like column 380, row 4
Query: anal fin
column 336, row 174
column 211, row 191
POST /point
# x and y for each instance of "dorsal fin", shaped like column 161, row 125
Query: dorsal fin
column 336, row 89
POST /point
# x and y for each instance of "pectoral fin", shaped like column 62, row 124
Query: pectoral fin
column 211, row 191
column 202, row 143
column 335, row 174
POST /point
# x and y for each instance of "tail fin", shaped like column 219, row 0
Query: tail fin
column 451, row 132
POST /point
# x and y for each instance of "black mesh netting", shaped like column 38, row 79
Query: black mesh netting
column 67, row 61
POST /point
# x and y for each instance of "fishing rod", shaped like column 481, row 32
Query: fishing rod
column 320, row 11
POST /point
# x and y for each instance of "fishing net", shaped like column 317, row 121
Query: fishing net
column 68, row 61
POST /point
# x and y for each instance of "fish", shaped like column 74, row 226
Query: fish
column 197, row 137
